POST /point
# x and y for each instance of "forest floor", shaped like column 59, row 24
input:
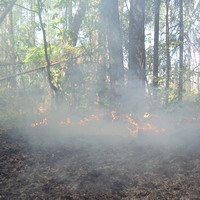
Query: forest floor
column 45, row 163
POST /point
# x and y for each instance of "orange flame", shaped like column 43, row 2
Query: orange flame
column 132, row 122
column 43, row 122
column 133, row 132
column 133, row 126
column 66, row 122
column 145, row 127
column 150, row 127
column 114, row 115
column 87, row 120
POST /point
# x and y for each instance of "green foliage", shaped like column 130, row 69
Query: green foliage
column 197, row 98
column 77, row 73
column 10, row 115
column 4, row 3
column 61, row 3
column 19, row 107
column 35, row 55
column 192, row 96
column 58, row 76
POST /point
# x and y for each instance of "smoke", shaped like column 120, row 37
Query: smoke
column 100, row 129
column 90, row 123
column 94, row 148
column 93, row 152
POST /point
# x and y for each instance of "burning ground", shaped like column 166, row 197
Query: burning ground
column 98, row 157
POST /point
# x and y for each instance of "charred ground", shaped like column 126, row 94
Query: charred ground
column 80, row 163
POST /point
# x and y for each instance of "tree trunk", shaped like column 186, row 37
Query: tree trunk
column 180, row 84
column 33, row 21
column 168, row 59
column 136, row 59
column 156, row 43
column 114, row 38
column 47, row 58
column 7, row 10
column 76, row 24
column 11, row 47
column 102, row 68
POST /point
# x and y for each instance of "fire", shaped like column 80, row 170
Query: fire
column 86, row 120
column 150, row 127
column 132, row 122
column 145, row 126
column 41, row 110
column 66, row 122
column 132, row 131
column 133, row 126
column 114, row 115
column 43, row 122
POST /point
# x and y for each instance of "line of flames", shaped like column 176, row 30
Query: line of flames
column 44, row 121
column 145, row 127
column 133, row 127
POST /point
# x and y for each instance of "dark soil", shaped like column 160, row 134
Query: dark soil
column 45, row 163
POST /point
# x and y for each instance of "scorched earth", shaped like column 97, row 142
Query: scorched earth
column 47, row 163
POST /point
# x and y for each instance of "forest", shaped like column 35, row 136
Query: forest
column 99, row 99
column 82, row 53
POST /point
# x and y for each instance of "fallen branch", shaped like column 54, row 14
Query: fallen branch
column 29, row 71
column 19, row 74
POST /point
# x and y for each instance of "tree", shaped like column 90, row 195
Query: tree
column 11, row 47
column 136, row 59
column 168, row 59
column 156, row 42
column 102, row 58
column 180, row 83
column 114, row 39
column 7, row 10
column 76, row 23
column 84, row 43
column 47, row 58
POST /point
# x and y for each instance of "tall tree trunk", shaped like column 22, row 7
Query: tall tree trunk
column 102, row 70
column 47, row 58
column 180, row 83
column 114, row 38
column 156, row 43
column 7, row 10
column 68, row 19
column 136, row 59
column 198, row 37
column 69, row 10
column 76, row 24
column 102, row 52
column 32, row 31
column 136, row 39
column 168, row 59
column 11, row 46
